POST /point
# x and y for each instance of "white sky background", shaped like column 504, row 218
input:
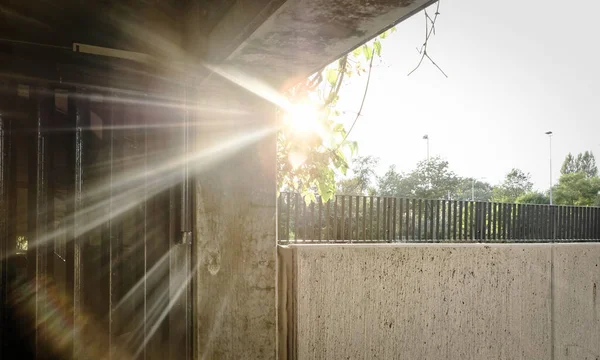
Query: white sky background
column 516, row 70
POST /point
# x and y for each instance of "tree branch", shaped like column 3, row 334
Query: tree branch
column 335, row 89
column 362, row 103
column 428, row 32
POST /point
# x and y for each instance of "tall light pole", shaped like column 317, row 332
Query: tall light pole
column 426, row 137
column 549, row 133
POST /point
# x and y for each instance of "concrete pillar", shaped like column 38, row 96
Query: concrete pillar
column 234, row 227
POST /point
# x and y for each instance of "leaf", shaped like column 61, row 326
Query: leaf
column 393, row 29
column 377, row 46
column 309, row 196
column 384, row 34
column 332, row 76
column 326, row 185
column 356, row 52
column 367, row 52
column 338, row 128
column 344, row 169
column 353, row 147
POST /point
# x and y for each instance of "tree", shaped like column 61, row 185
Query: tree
column 577, row 189
column 584, row 163
column 389, row 183
column 516, row 183
column 568, row 165
column 533, row 197
column 481, row 189
column 396, row 184
column 431, row 179
column 363, row 171
column 308, row 162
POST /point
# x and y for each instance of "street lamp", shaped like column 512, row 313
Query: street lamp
column 426, row 137
column 549, row 133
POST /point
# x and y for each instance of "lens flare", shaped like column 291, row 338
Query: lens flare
column 297, row 159
column 303, row 119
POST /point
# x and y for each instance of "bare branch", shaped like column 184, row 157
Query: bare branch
column 431, row 20
column 429, row 30
column 419, row 64
column 436, row 65
column 362, row 103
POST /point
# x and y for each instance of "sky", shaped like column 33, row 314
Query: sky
column 516, row 69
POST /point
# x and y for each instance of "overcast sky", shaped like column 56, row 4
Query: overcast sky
column 516, row 70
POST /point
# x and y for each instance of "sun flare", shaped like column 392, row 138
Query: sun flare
column 303, row 119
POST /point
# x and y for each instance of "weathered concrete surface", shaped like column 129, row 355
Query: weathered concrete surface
column 302, row 36
column 577, row 302
column 235, row 242
column 272, row 42
column 440, row 301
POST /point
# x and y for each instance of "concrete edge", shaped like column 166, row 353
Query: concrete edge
column 286, row 304
column 452, row 245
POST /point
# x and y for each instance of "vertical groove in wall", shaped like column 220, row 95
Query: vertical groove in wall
column 286, row 303
column 552, row 298
column 293, row 293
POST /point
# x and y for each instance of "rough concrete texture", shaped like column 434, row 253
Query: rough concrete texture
column 302, row 36
column 577, row 302
column 443, row 302
column 235, row 233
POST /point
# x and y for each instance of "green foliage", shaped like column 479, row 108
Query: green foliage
column 516, row 183
column 568, row 166
column 584, row 163
column 332, row 76
column 533, row 197
column 309, row 164
column 390, row 183
column 377, row 46
column 431, row 179
column 387, row 32
column 363, row 170
column 468, row 187
column 577, row 189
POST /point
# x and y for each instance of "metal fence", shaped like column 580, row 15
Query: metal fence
column 365, row 219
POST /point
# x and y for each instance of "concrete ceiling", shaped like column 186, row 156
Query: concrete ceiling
column 302, row 36
column 277, row 41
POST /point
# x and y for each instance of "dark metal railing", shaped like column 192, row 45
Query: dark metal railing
column 364, row 219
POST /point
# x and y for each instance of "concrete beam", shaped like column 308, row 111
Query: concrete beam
column 302, row 36
column 238, row 24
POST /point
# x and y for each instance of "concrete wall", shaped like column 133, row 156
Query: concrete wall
column 577, row 302
column 235, row 243
column 440, row 302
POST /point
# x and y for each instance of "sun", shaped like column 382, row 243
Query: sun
column 303, row 119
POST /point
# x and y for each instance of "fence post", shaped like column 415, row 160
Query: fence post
column 350, row 218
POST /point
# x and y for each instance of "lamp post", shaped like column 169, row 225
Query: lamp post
column 426, row 137
column 549, row 133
